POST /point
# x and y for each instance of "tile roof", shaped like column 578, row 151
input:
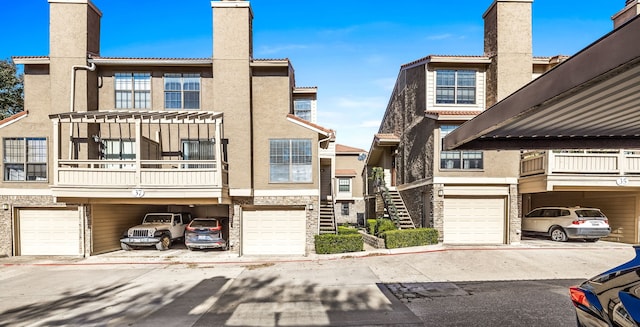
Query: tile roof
column 13, row 118
column 347, row 149
column 326, row 131
column 346, row 172
column 391, row 137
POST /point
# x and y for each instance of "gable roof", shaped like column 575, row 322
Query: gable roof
column 315, row 127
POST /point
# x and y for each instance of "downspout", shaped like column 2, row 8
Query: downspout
column 91, row 67
column 83, row 212
column 320, row 180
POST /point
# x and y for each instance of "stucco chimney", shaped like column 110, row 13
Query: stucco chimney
column 630, row 10
column 74, row 33
column 508, row 42
column 232, row 54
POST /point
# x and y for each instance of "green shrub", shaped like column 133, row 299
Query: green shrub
column 371, row 226
column 344, row 230
column 383, row 225
column 409, row 237
column 332, row 243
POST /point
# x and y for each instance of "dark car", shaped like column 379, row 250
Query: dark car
column 611, row 298
column 207, row 233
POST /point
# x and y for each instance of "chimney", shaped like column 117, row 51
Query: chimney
column 74, row 34
column 232, row 55
column 508, row 42
column 630, row 10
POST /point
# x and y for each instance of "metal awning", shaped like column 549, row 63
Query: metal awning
column 162, row 117
column 590, row 101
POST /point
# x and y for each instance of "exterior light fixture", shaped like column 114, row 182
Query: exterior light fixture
column 5, row 206
column 310, row 206
column 440, row 192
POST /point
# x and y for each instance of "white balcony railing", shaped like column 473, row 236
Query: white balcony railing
column 150, row 173
column 603, row 162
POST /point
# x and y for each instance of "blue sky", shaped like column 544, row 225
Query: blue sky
column 351, row 50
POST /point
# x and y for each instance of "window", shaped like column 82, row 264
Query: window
column 455, row 86
column 25, row 159
column 182, row 91
column 133, row 90
column 344, row 184
column 198, row 150
column 302, row 109
column 345, row 209
column 290, row 161
column 120, row 149
column 458, row 159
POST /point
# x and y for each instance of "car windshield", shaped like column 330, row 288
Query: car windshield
column 204, row 223
column 158, row 219
column 586, row 213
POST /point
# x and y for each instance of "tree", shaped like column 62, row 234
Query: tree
column 11, row 89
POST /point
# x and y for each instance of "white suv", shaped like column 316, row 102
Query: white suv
column 563, row 223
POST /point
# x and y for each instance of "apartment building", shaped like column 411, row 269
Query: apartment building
column 103, row 140
column 470, row 197
column 478, row 196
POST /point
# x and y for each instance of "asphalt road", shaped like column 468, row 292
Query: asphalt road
column 461, row 287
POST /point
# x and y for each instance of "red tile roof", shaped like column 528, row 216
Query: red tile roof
column 347, row 149
column 316, row 126
column 346, row 172
column 13, row 117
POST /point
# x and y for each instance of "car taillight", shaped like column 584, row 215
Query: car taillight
column 213, row 229
column 578, row 297
column 577, row 222
column 191, row 229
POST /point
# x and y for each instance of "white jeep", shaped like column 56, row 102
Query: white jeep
column 159, row 229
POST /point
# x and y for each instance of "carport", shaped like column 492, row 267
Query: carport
column 590, row 101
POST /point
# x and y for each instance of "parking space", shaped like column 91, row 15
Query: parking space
column 542, row 241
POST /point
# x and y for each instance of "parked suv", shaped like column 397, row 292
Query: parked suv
column 159, row 229
column 563, row 223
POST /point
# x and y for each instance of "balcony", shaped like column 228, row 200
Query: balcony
column 127, row 155
column 542, row 171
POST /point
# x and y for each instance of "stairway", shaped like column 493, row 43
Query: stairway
column 403, row 213
column 327, row 221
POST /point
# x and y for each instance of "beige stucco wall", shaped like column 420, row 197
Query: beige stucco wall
column 272, row 103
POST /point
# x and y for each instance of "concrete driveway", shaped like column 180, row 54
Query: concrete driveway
column 179, row 287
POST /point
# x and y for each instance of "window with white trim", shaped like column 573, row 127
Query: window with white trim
column 25, row 159
column 455, row 86
column 344, row 185
column 465, row 160
column 133, row 90
column 290, row 161
column 302, row 108
column 119, row 149
column 181, row 91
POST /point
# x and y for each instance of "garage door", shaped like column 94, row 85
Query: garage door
column 49, row 232
column 273, row 232
column 474, row 221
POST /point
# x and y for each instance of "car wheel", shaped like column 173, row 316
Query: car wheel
column 558, row 234
column 126, row 246
column 164, row 244
column 592, row 240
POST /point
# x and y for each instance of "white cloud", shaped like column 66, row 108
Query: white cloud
column 440, row 36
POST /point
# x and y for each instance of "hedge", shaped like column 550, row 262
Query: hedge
column 344, row 230
column 371, row 226
column 383, row 225
column 409, row 237
column 332, row 243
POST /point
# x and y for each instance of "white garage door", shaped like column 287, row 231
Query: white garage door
column 474, row 221
column 274, row 232
column 49, row 232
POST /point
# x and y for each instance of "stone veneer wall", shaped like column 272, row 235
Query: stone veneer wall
column 7, row 217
